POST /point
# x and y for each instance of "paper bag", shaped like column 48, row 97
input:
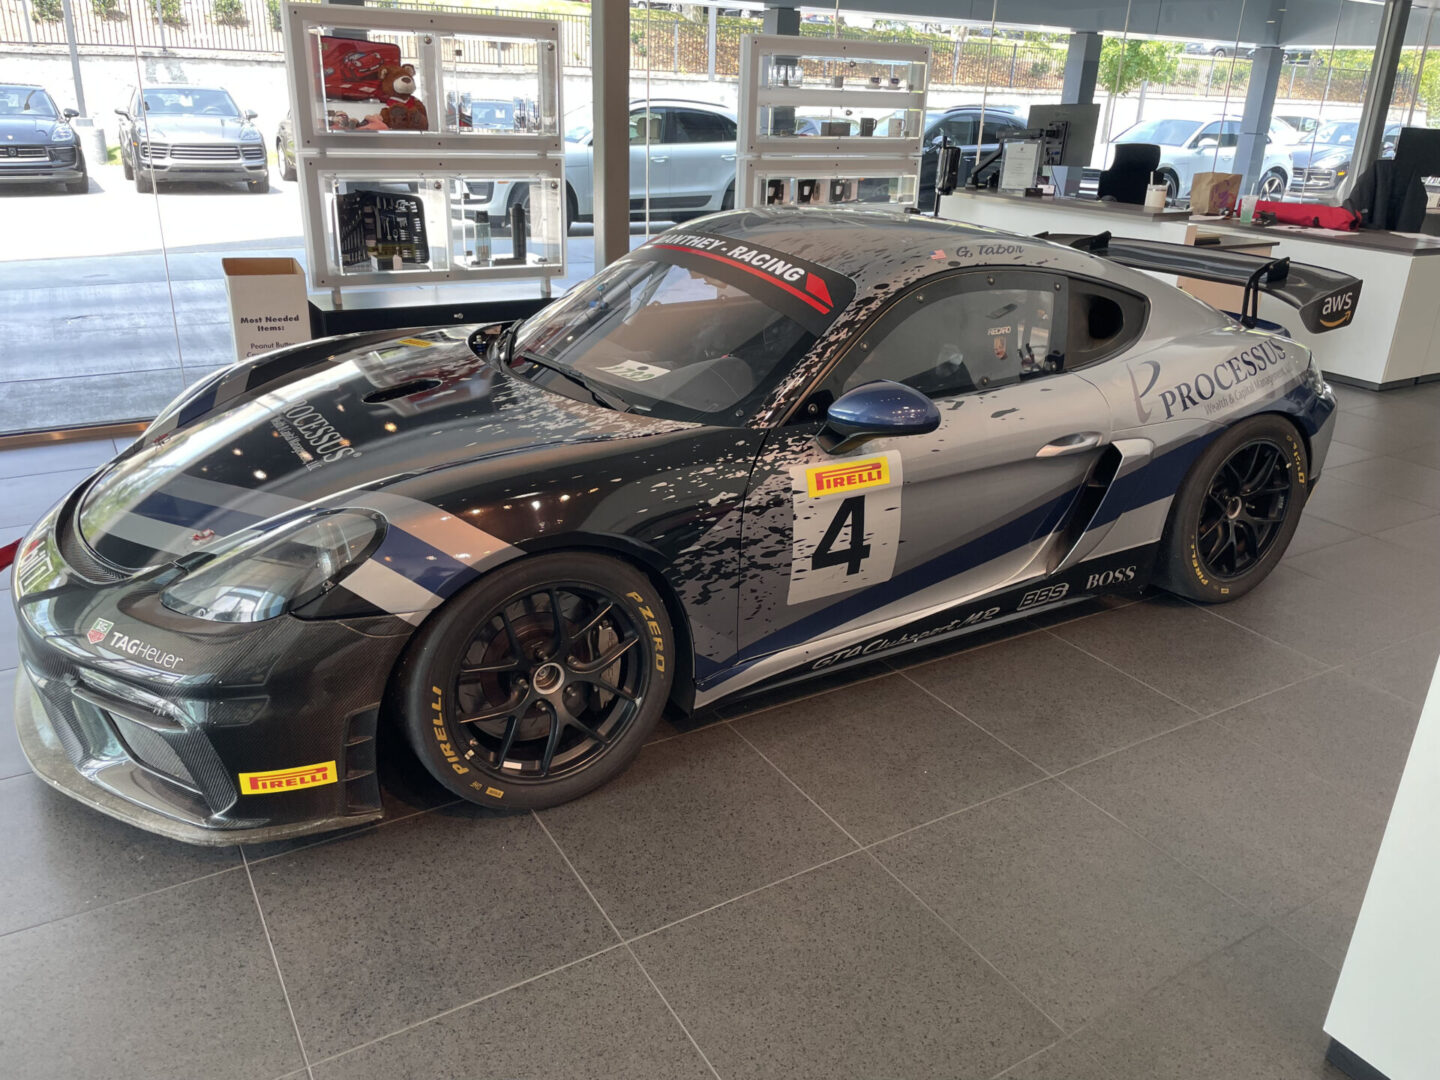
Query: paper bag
column 1212, row 192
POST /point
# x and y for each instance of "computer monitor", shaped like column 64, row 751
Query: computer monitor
column 1080, row 122
column 1418, row 151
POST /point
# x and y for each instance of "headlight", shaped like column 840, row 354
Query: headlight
column 62, row 134
column 249, row 135
column 1312, row 379
column 255, row 575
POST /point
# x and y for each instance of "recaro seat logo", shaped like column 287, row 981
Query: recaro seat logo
column 851, row 476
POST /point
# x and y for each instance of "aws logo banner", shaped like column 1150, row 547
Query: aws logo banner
column 1333, row 311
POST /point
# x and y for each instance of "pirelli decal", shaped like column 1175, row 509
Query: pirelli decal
column 849, row 477
column 277, row 780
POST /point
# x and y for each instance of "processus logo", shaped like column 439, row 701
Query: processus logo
column 312, row 437
column 1179, row 398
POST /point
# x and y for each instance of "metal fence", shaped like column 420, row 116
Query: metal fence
column 662, row 41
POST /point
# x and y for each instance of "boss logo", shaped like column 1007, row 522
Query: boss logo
column 1118, row 576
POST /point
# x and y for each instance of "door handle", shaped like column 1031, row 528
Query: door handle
column 1070, row 444
column 727, row 157
column 659, row 160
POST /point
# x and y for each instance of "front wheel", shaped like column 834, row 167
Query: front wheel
column 287, row 165
column 1272, row 186
column 78, row 187
column 540, row 682
column 261, row 186
column 1236, row 512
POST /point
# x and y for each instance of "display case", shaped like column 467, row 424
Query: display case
column 871, row 184
column 428, row 145
column 827, row 97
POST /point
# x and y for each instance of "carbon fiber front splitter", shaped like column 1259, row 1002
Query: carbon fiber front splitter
column 50, row 763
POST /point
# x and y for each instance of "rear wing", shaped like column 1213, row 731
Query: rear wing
column 1325, row 299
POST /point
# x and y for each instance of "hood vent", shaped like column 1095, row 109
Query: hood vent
column 391, row 393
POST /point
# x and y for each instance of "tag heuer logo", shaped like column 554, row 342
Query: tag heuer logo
column 98, row 631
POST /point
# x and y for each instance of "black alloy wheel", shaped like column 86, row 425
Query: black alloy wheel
column 1244, row 508
column 1235, row 513
column 540, row 682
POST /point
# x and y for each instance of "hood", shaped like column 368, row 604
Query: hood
column 168, row 128
column 1321, row 155
column 26, row 130
column 359, row 417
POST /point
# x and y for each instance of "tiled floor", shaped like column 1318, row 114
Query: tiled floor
column 1129, row 842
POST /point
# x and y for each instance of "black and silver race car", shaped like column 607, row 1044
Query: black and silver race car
column 768, row 444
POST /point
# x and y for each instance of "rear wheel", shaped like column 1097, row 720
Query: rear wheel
column 540, row 682
column 287, row 165
column 1236, row 512
column 728, row 201
column 1172, row 185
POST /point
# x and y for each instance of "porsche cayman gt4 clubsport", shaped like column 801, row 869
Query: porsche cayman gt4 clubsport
column 766, row 445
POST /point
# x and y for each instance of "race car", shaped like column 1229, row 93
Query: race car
column 767, row 445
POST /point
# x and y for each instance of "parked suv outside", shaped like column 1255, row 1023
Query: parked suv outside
column 37, row 144
column 692, row 165
column 961, row 125
column 1322, row 166
column 190, row 133
column 1188, row 147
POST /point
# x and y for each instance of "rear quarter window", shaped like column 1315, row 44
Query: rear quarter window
column 1103, row 322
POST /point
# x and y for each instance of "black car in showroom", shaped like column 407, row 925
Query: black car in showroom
column 37, row 143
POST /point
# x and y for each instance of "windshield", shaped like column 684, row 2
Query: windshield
column 187, row 101
column 1337, row 131
column 577, row 125
column 677, row 334
column 1163, row 132
column 26, row 101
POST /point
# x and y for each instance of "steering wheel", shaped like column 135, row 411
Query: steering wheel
column 212, row 110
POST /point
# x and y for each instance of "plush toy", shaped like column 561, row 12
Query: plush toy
column 400, row 108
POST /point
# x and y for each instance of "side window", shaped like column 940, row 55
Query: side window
column 959, row 129
column 653, row 119
column 995, row 129
column 692, row 125
column 1101, row 321
column 1209, row 131
column 977, row 331
column 1230, row 134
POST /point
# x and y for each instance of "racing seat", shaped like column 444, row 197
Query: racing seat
column 1125, row 181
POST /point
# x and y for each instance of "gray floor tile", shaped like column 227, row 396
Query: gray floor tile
column 694, row 822
column 1353, row 398
column 12, row 758
column 1404, row 577
column 1315, row 533
column 390, row 926
column 1364, row 508
column 1341, row 454
column 1422, row 536
column 1070, row 905
column 58, row 857
column 173, row 986
column 24, row 498
column 1427, row 454
column 1048, row 700
column 1265, row 831
column 1382, row 436
column 1254, row 1010
column 1402, row 407
column 1407, row 669
column 1061, row 1061
column 1417, row 483
column 58, row 457
column 599, row 1018
column 1221, row 664
column 839, row 973
column 884, row 755
column 1325, row 924
column 1322, row 619
column 1349, row 734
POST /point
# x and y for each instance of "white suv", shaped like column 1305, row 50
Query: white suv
column 1191, row 146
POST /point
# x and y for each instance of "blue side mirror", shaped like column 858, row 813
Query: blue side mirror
column 877, row 410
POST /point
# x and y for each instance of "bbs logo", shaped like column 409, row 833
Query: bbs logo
column 1119, row 576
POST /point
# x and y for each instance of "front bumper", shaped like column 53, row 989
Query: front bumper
column 59, row 163
column 206, row 174
column 205, row 732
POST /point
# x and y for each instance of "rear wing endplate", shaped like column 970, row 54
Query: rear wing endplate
column 1325, row 299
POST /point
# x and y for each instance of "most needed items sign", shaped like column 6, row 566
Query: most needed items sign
column 267, row 304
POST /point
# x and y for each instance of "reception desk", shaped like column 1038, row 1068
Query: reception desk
column 1394, row 339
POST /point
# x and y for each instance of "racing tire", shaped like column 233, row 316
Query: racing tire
column 1236, row 512
column 508, row 707
column 287, row 165
column 1272, row 186
column 259, row 187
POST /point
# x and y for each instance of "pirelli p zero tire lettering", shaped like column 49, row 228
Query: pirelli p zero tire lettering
column 1234, row 517
column 540, row 682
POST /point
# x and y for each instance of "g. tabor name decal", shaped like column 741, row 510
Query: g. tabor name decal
column 277, row 780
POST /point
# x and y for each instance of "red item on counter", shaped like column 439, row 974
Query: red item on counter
column 1311, row 215
column 7, row 554
column 351, row 69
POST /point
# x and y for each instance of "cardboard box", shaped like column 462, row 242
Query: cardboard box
column 268, row 306
column 1212, row 192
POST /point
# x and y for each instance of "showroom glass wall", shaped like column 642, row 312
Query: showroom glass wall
column 114, row 300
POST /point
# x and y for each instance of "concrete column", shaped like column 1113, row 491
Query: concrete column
column 1082, row 68
column 610, row 147
column 782, row 20
column 1370, row 134
column 1265, row 65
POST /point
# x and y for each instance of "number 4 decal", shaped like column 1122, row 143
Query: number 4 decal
column 846, row 525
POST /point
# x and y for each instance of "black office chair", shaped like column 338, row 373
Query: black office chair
column 1389, row 195
column 1125, row 181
